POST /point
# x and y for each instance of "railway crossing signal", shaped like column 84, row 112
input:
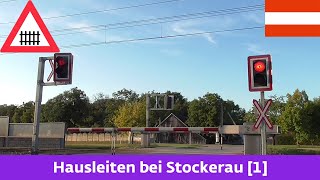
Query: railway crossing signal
column 63, row 64
column 262, row 114
column 260, row 73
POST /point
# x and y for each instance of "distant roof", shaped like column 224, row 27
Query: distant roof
column 171, row 114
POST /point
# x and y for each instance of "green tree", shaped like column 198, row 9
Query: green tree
column 98, row 110
column 103, row 109
column 250, row 116
column 28, row 112
column 71, row 107
column 17, row 115
column 294, row 119
column 131, row 114
column 126, row 95
column 6, row 110
column 312, row 114
column 113, row 104
column 112, row 108
column 277, row 107
column 232, row 112
column 205, row 111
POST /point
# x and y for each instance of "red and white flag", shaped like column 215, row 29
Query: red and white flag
column 292, row 18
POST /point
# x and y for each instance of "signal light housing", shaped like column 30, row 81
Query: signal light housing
column 63, row 64
column 260, row 73
column 168, row 102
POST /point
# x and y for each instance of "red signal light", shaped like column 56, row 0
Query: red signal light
column 63, row 68
column 260, row 73
column 259, row 66
column 61, row 61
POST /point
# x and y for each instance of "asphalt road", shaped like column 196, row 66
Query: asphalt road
column 206, row 149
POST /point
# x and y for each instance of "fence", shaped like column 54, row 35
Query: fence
column 51, row 135
column 101, row 137
column 123, row 135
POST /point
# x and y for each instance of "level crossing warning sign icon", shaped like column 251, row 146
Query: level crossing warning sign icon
column 263, row 114
column 30, row 34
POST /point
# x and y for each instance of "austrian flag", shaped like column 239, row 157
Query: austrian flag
column 292, row 18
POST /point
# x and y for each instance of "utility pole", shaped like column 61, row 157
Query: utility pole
column 221, row 124
column 146, row 142
column 66, row 57
column 37, row 111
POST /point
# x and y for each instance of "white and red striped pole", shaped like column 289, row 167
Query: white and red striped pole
column 146, row 130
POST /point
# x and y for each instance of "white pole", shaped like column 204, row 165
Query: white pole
column 263, row 129
column 217, row 137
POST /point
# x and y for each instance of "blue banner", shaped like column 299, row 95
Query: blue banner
column 154, row 167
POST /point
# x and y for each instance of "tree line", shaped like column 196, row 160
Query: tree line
column 297, row 115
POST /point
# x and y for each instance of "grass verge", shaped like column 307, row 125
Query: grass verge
column 294, row 150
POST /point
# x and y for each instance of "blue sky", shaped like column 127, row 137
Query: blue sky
column 191, row 65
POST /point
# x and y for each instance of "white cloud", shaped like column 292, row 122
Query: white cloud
column 189, row 27
column 85, row 28
column 210, row 38
column 205, row 25
column 75, row 26
column 255, row 48
column 254, row 17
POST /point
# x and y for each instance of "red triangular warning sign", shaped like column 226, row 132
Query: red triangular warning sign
column 30, row 34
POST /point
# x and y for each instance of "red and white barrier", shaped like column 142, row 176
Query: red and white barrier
column 145, row 130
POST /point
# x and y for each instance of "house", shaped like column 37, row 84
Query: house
column 181, row 138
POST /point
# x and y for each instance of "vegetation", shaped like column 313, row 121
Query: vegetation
column 297, row 115
column 293, row 150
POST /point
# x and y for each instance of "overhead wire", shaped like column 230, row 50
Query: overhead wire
column 161, row 37
column 103, row 10
column 8, row 1
column 243, row 8
column 160, row 20
column 118, row 25
column 153, row 38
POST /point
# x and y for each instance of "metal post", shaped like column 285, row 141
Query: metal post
column 132, row 138
column 221, row 141
column 113, row 143
column 37, row 111
column 263, row 129
column 217, row 137
column 147, row 110
column 221, row 124
column 145, row 137
column 221, row 115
